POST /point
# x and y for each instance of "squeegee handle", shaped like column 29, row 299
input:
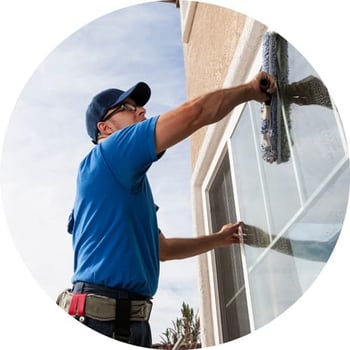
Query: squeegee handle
column 264, row 85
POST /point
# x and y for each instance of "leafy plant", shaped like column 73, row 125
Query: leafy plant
column 185, row 329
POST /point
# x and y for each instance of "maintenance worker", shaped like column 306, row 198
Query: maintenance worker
column 116, row 240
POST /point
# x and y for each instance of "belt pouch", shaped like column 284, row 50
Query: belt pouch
column 122, row 320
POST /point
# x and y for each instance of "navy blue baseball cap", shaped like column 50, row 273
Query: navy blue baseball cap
column 110, row 98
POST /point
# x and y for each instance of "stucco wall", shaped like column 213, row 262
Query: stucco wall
column 208, row 53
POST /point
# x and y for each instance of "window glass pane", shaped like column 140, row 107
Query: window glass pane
column 262, row 189
column 314, row 235
column 297, row 258
column 249, row 189
column 274, row 286
column 228, row 263
column 247, row 178
column 317, row 144
column 279, row 183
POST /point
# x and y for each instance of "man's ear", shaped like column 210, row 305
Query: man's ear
column 102, row 127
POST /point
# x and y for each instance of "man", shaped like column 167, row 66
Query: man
column 116, row 239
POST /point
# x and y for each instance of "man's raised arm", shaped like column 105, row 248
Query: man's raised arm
column 179, row 123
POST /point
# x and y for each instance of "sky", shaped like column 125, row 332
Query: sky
column 29, row 31
column 46, row 140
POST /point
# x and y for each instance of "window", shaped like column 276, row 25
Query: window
column 296, row 208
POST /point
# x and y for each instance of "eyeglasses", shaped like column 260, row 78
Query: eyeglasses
column 123, row 107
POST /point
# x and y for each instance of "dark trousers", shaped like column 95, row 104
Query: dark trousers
column 140, row 331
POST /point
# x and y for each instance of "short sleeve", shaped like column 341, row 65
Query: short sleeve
column 130, row 152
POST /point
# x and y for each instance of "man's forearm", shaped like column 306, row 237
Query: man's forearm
column 181, row 248
column 217, row 104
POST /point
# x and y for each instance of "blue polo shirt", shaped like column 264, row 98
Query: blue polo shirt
column 115, row 231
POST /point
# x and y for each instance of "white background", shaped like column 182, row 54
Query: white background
column 30, row 30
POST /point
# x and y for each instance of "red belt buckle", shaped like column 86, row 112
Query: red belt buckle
column 77, row 305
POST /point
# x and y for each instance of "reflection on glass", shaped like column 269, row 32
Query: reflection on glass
column 312, row 249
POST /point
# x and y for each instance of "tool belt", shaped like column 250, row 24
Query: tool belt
column 101, row 308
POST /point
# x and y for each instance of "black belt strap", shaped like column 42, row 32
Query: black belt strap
column 122, row 320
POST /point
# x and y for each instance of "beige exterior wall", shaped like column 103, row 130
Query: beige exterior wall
column 208, row 53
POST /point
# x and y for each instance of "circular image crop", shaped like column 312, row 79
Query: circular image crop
column 99, row 218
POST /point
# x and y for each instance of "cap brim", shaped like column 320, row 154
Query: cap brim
column 140, row 93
